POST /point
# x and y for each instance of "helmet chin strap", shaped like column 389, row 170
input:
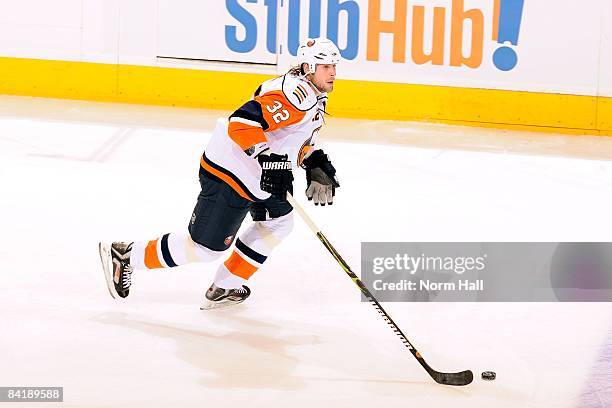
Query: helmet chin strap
column 311, row 83
column 314, row 86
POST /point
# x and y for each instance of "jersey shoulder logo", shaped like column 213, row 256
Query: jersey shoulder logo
column 299, row 93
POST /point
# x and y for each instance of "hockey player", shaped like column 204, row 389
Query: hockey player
column 246, row 167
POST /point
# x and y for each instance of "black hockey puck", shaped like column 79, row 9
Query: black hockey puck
column 488, row 375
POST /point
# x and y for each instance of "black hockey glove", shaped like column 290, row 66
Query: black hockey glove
column 320, row 178
column 276, row 174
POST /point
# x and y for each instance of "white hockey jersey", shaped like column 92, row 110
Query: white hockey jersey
column 285, row 115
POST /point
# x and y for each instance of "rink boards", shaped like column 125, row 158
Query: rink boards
column 377, row 100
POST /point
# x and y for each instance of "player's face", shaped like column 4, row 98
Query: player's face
column 324, row 77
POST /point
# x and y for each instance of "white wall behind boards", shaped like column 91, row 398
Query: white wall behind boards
column 41, row 29
column 605, row 69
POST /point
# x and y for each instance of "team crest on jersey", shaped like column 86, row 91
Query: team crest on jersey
column 228, row 240
column 305, row 149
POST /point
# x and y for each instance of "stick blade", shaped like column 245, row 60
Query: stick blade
column 457, row 379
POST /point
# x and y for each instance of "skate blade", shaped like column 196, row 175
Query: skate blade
column 223, row 304
column 107, row 267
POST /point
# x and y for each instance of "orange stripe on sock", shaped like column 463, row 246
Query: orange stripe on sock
column 151, row 257
column 239, row 267
column 225, row 178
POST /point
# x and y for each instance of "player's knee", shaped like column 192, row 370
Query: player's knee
column 280, row 227
column 204, row 254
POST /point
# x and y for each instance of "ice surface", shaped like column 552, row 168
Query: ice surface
column 75, row 173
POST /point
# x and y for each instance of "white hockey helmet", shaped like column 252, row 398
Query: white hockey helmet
column 315, row 51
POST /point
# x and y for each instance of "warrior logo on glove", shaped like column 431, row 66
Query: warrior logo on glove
column 276, row 165
column 276, row 174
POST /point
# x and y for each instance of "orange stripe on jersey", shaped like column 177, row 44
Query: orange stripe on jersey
column 225, row 178
column 151, row 260
column 298, row 95
column 245, row 135
column 239, row 267
column 302, row 90
column 277, row 111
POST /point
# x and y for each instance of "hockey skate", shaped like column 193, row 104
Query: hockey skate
column 217, row 298
column 116, row 265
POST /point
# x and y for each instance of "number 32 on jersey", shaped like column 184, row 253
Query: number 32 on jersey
column 276, row 115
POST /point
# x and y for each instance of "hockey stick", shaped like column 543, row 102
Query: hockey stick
column 462, row 378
